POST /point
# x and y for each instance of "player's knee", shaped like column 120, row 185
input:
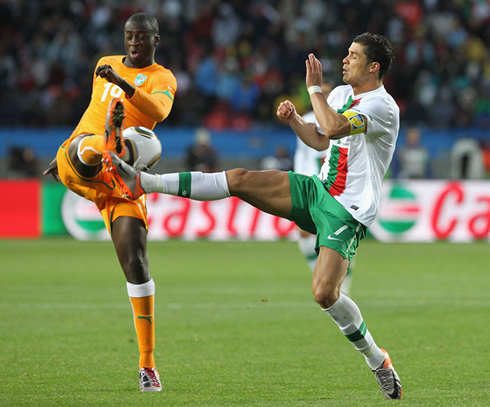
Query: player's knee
column 136, row 270
column 326, row 294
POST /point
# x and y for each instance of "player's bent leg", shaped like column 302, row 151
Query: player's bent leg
column 90, row 149
column 84, row 155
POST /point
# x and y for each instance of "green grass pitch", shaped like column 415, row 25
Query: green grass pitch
column 237, row 326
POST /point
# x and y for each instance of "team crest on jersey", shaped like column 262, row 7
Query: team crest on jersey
column 140, row 78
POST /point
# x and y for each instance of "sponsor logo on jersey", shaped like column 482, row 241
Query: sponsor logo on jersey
column 140, row 78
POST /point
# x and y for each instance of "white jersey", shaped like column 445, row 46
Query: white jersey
column 307, row 160
column 356, row 165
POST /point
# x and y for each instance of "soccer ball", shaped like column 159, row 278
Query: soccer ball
column 144, row 147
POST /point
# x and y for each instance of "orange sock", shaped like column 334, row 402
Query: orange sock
column 142, row 297
column 90, row 150
column 145, row 328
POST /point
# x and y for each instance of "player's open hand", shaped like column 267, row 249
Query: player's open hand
column 52, row 169
column 314, row 73
column 286, row 111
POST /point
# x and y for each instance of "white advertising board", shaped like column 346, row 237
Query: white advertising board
column 426, row 211
column 174, row 217
column 410, row 211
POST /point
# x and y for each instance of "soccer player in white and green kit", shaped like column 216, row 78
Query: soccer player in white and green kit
column 358, row 125
column 309, row 161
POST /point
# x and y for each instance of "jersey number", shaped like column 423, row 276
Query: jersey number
column 110, row 89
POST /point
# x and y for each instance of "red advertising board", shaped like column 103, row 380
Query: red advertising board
column 20, row 209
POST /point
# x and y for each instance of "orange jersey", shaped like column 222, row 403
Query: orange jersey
column 152, row 101
column 155, row 88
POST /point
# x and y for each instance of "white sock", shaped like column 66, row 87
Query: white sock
column 141, row 290
column 307, row 248
column 347, row 316
column 193, row 185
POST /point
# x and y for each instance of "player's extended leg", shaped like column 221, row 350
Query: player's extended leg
column 130, row 239
column 266, row 190
column 330, row 271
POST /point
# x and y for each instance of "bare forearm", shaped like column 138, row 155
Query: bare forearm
column 127, row 88
column 308, row 133
column 332, row 123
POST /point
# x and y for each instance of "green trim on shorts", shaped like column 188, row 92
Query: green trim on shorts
column 313, row 209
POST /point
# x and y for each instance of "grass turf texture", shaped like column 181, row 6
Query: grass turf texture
column 237, row 326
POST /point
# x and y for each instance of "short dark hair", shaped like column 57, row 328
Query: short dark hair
column 145, row 19
column 377, row 49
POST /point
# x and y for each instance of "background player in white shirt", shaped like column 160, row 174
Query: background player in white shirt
column 359, row 126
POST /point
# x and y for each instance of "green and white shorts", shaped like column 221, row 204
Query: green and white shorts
column 318, row 212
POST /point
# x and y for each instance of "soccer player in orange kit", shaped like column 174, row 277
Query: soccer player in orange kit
column 128, row 90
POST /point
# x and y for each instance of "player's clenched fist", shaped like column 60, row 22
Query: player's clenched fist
column 286, row 111
column 108, row 72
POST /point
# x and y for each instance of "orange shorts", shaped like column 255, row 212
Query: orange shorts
column 100, row 189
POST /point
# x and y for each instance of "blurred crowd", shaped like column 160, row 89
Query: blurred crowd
column 234, row 60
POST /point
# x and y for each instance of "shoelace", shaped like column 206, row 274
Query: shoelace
column 153, row 377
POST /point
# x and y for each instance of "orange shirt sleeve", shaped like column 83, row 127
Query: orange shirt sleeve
column 157, row 103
